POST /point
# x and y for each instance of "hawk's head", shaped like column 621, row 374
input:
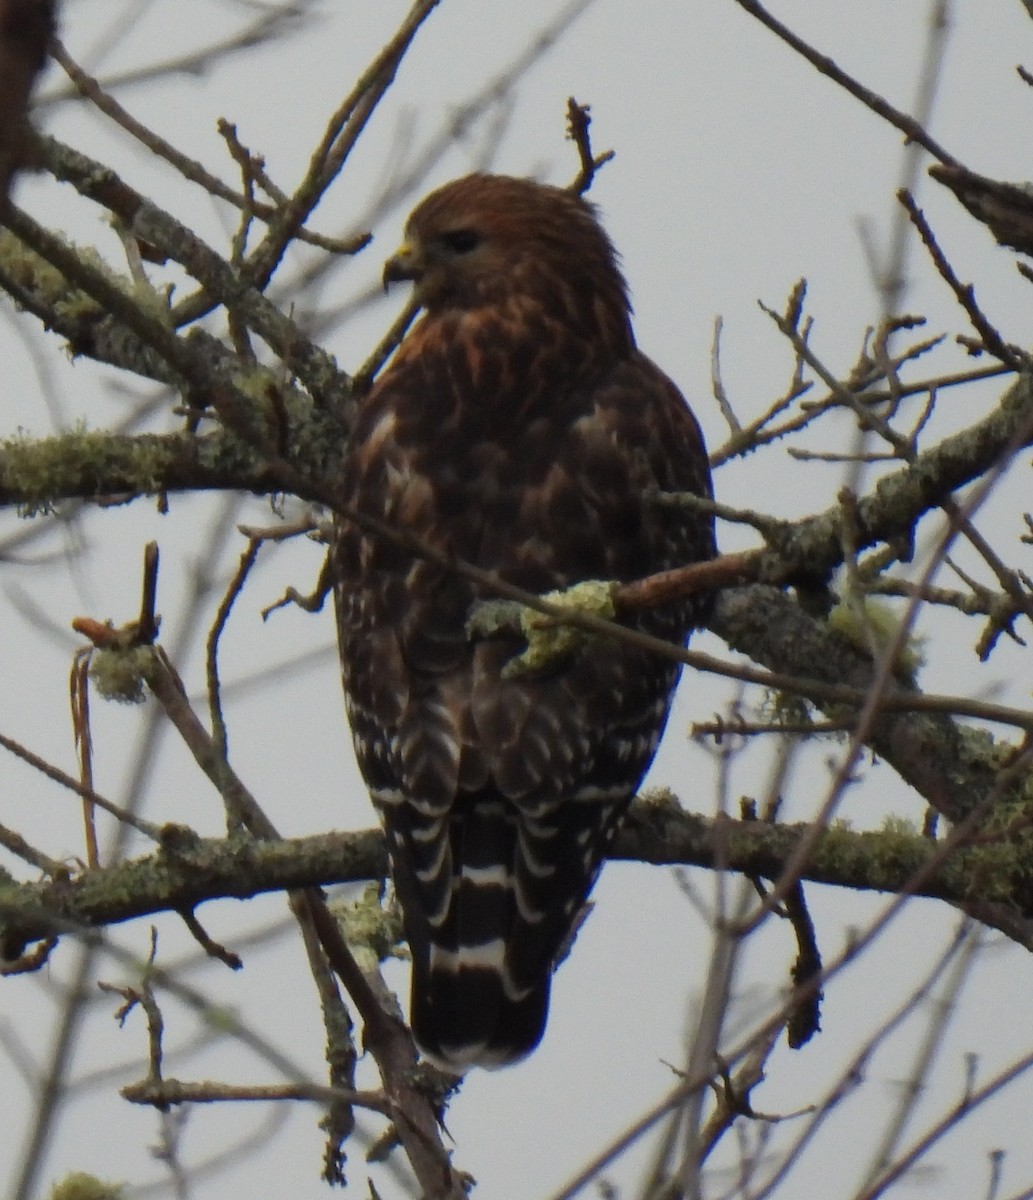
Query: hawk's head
column 485, row 239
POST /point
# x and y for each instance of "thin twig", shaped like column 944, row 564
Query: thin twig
column 233, row 590
column 159, row 1093
column 718, row 387
column 79, row 697
column 392, row 339
column 68, row 781
column 826, row 66
column 270, row 24
column 339, row 137
column 13, row 841
column 1008, row 354
column 579, row 118
column 188, row 167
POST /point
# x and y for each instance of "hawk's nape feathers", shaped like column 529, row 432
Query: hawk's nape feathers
column 517, row 428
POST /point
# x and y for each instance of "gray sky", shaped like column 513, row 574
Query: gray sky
column 738, row 170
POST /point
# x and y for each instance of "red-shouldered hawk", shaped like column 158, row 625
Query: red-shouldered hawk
column 518, row 428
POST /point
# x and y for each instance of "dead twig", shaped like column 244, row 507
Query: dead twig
column 991, row 340
column 911, row 129
column 579, row 118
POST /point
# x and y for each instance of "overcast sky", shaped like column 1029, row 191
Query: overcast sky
column 738, row 170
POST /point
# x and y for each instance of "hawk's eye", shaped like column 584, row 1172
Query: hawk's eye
column 461, row 241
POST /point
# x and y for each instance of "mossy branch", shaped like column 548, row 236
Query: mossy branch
column 36, row 474
column 659, row 831
column 952, row 766
column 188, row 870
column 185, row 872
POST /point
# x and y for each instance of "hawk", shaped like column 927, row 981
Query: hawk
column 519, row 429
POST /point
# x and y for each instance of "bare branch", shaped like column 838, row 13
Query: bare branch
column 826, row 66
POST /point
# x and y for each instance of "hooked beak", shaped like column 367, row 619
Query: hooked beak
column 405, row 263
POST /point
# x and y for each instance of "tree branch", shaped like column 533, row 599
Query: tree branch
column 953, row 767
column 188, row 870
column 36, row 475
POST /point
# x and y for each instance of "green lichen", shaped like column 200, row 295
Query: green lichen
column 227, row 454
column 121, row 674
column 371, row 928
column 881, row 857
column 40, row 472
column 55, row 291
column 373, row 931
column 256, row 381
column 283, row 416
column 786, row 708
column 35, row 275
column 1000, row 873
column 1001, row 856
column 1012, row 813
column 149, row 299
column 549, row 639
column 893, row 826
column 489, row 617
column 872, row 625
column 661, row 800
column 978, row 747
column 79, row 1185
column 143, row 294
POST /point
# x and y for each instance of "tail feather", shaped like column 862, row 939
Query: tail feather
column 463, row 1016
column 488, row 907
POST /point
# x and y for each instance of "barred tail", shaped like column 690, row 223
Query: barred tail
column 487, row 914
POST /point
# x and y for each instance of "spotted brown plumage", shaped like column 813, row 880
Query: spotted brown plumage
column 517, row 428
